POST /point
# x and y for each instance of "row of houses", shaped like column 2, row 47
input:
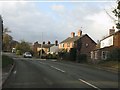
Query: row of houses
column 48, row 48
column 84, row 44
column 87, row 44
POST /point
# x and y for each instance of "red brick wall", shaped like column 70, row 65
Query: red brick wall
column 117, row 40
column 87, row 46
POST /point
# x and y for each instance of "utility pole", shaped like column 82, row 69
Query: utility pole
column 41, row 45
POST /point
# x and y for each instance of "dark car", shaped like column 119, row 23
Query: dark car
column 27, row 55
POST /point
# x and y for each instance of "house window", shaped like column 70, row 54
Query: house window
column 92, row 55
column 104, row 55
column 68, row 44
column 62, row 45
column 48, row 49
column 72, row 44
column 96, row 54
column 86, row 45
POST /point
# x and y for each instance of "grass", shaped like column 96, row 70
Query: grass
column 110, row 64
column 6, row 61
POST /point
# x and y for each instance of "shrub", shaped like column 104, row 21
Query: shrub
column 52, row 56
column 18, row 52
column 61, row 55
column 114, row 54
column 82, row 58
column 73, row 52
column 49, row 56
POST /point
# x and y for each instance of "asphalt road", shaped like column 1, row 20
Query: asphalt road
column 33, row 73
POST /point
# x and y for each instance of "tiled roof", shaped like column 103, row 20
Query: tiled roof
column 45, row 45
column 70, row 39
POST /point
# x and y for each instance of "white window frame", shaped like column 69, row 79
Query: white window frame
column 106, row 55
column 96, row 54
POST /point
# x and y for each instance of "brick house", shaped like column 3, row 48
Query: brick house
column 107, row 44
column 81, row 41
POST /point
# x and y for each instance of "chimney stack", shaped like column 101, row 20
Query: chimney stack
column 111, row 31
column 56, row 43
column 36, row 43
column 72, row 34
column 43, row 42
column 79, row 33
column 48, row 42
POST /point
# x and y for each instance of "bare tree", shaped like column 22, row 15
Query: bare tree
column 116, row 12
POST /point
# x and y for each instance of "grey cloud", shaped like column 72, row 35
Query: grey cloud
column 27, row 22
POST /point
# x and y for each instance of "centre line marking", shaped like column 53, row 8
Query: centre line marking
column 58, row 69
column 89, row 84
column 41, row 62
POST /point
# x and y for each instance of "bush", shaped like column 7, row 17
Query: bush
column 61, row 55
column 82, row 58
column 32, row 52
column 49, row 56
column 114, row 54
column 73, row 52
column 52, row 56
column 18, row 52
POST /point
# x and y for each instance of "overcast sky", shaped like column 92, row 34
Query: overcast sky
column 56, row 20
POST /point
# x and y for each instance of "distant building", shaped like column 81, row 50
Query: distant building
column 106, row 45
column 13, row 45
column 47, row 48
column 83, row 43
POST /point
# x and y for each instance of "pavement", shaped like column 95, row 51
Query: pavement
column 6, row 72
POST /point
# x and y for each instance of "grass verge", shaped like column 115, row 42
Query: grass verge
column 110, row 64
column 6, row 60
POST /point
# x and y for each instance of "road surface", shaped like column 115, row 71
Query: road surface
column 34, row 73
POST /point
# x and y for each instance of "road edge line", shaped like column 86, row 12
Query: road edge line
column 58, row 69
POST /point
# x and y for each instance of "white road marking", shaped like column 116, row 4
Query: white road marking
column 89, row 84
column 58, row 69
column 41, row 62
column 54, row 60
column 15, row 72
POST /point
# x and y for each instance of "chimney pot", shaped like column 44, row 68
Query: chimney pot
column 72, row 34
column 36, row 43
column 43, row 42
column 48, row 42
column 111, row 31
column 56, row 43
column 79, row 33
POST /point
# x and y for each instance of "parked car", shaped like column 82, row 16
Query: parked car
column 27, row 55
